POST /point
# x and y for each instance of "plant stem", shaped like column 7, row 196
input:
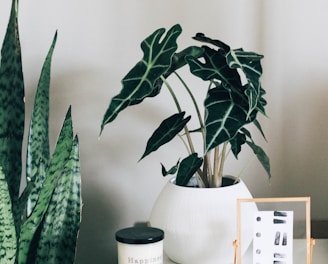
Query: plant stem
column 215, row 181
column 191, row 146
column 222, row 160
column 172, row 94
column 207, row 170
column 194, row 102
column 213, row 176
column 207, row 162
column 184, row 143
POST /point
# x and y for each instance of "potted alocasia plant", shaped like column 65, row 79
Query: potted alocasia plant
column 233, row 96
column 199, row 222
column 39, row 225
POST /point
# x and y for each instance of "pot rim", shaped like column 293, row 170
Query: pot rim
column 236, row 179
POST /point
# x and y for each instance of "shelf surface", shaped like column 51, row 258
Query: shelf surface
column 320, row 253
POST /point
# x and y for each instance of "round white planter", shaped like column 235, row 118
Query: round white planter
column 200, row 223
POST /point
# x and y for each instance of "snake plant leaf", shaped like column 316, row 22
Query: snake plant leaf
column 23, row 198
column 166, row 131
column 12, row 108
column 250, row 64
column 57, row 162
column 37, row 158
column 62, row 220
column 7, row 224
column 223, row 117
column 188, row 168
column 261, row 156
column 140, row 81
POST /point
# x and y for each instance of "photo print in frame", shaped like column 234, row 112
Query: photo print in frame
column 273, row 231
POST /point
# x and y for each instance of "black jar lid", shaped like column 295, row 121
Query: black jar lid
column 139, row 235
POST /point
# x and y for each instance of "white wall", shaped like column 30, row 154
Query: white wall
column 98, row 42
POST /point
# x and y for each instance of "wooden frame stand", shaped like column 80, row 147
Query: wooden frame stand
column 309, row 241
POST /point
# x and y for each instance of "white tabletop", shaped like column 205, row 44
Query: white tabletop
column 320, row 253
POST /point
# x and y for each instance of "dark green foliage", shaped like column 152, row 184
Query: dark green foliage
column 42, row 224
column 233, row 100
column 188, row 168
column 37, row 156
column 8, row 244
column 12, row 110
column 167, row 130
column 140, row 81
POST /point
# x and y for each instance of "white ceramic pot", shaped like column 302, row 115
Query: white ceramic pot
column 200, row 223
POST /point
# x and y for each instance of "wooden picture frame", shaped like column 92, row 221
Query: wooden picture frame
column 309, row 240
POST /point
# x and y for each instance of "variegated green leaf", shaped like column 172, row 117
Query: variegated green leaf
column 230, row 105
column 140, row 82
column 62, row 220
column 12, row 109
column 167, row 130
column 57, row 162
column 249, row 63
column 179, row 59
column 214, row 67
column 23, row 198
column 225, row 115
column 37, row 158
column 236, row 142
column 188, row 168
column 7, row 226
column 261, row 156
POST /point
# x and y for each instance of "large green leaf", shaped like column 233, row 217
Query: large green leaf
column 12, row 109
column 249, row 63
column 166, row 131
column 188, row 168
column 230, row 105
column 7, row 224
column 37, row 158
column 140, row 82
column 62, row 220
column 214, row 67
column 180, row 59
column 57, row 163
column 224, row 116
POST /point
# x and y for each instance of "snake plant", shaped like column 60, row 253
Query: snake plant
column 233, row 96
column 39, row 224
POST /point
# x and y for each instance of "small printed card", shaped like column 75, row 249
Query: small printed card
column 273, row 237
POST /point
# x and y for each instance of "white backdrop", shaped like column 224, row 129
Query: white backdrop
column 98, row 42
